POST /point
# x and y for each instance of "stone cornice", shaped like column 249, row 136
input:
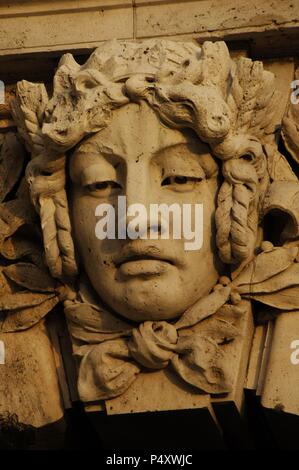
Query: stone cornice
column 31, row 26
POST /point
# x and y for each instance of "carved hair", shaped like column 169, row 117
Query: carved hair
column 229, row 105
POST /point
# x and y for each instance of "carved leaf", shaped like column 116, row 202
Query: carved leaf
column 22, row 299
column 287, row 278
column 11, row 163
column 253, row 97
column 21, row 319
column 286, row 299
column 216, row 64
column 5, row 285
column 14, row 214
column 204, row 308
column 17, row 247
column 29, row 276
column 266, row 265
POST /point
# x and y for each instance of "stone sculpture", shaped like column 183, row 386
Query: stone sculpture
column 156, row 121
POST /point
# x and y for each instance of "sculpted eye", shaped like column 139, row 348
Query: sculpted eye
column 103, row 188
column 180, row 180
column 249, row 157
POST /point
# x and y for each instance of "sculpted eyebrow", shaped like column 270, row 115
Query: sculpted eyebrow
column 170, row 147
column 98, row 155
column 106, row 152
column 205, row 160
column 96, row 148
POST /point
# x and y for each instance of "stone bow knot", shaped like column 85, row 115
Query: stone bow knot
column 108, row 369
column 193, row 346
column 153, row 344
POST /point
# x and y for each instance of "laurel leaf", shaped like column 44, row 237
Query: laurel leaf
column 286, row 299
column 266, row 265
column 204, row 308
column 17, row 247
column 14, row 214
column 5, row 285
column 287, row 278
column 252, row 97
column 22, row 299
column 24, row 318
column 30, row 276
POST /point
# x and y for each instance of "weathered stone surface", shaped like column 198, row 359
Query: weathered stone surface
column 158, row 391
column 49, row 26
column 28, row 381
column 155, row 327
column 194, row 345
column 160, row 19
column 57, row 26
column 280, row 389
column 255, row 360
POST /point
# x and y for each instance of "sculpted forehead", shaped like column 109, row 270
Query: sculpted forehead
column 136, row 134
column 134, row 130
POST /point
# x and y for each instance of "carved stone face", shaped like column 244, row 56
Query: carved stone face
column 138, row 157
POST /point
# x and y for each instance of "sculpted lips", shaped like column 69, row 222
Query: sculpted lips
column 143, row 261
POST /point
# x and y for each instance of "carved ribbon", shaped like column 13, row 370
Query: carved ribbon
column 116, row 351
column 109, row 368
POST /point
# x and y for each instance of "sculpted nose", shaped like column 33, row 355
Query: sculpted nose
column 139, row 197
column 138, row 188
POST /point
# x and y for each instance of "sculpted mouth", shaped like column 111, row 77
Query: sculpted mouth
column 138, row 253
column 143, row 265
column 141, row 257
